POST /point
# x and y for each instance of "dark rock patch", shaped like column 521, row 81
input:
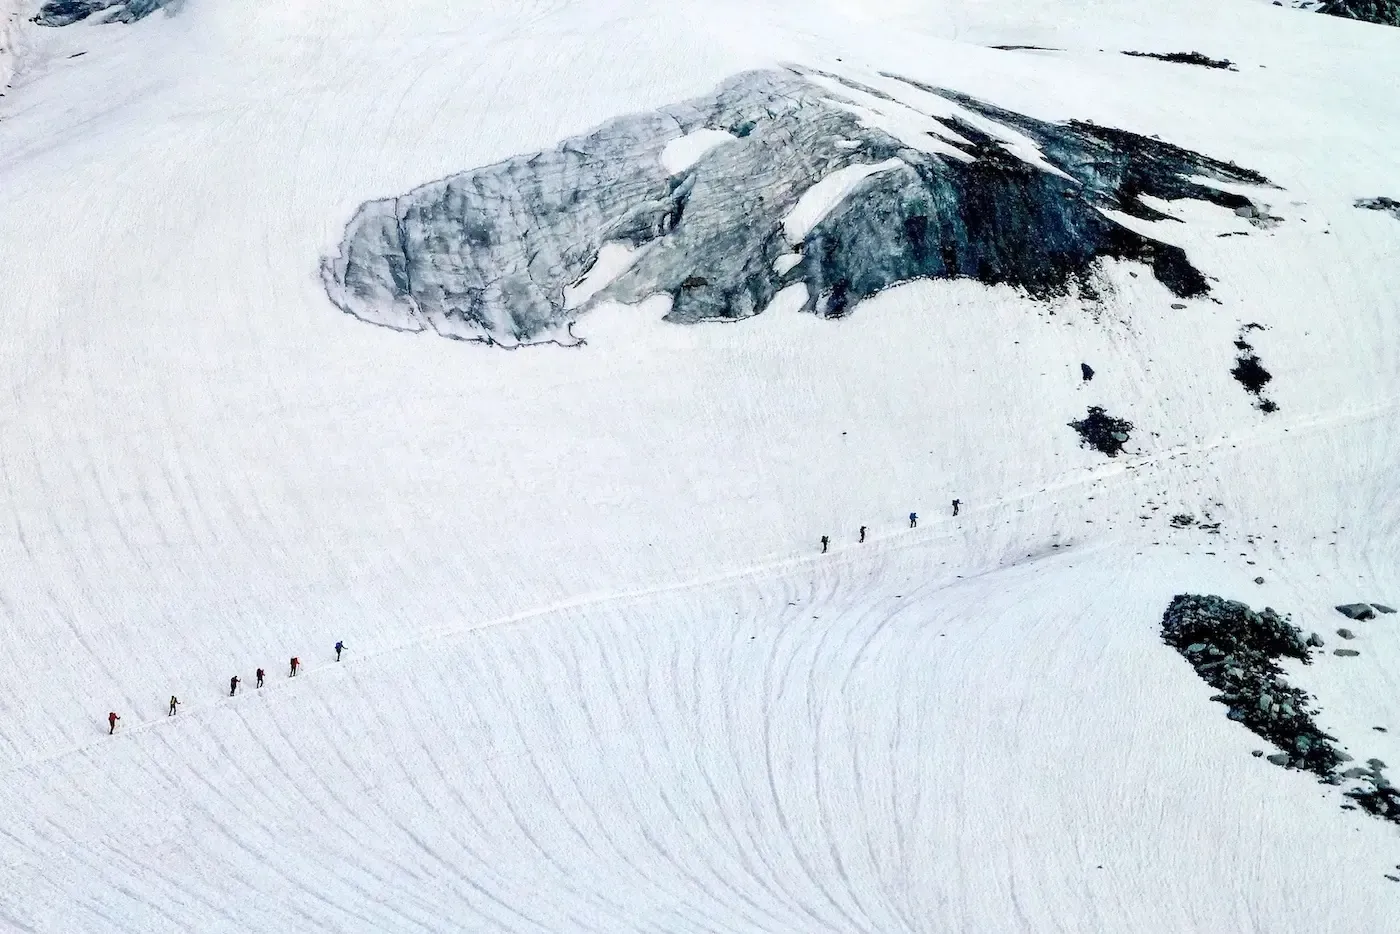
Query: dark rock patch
column 1249, row 372
column 1357, row 611
column 1025, row 48
column 67, row 12
column 1086, row 371
column 1188, row 58
column 1103, row 432
column 1236, row 651
column 1388, row 205
column 486, row 255
column 1382, row 608
column 1346, row 653
column 1373, row 791
column 1346, row 633
column 1380, row 12
column 1257, row 216
column 1183, row 520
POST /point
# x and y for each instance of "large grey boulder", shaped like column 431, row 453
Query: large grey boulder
column 1360, row 611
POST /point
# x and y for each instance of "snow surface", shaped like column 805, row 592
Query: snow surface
column 816, row 202
column 598, row 677
column 613, row 260
column 680, row 154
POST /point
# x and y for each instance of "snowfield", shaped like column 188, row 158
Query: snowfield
column 599, row 677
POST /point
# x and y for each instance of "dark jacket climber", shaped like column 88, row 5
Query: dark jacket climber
column 862, row 533
column 233, row 685
column 826, row 540
column 260, row 677
column 174, row 702
column 339, row 647
column 956, row 504
column 913, row 520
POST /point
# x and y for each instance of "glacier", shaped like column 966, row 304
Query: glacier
column 488, row 255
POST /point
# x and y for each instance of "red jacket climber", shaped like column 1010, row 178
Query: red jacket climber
column 112, row 719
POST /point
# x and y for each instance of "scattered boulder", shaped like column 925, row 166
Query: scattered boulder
column 1258, row 580
column 1086, row 371
column 1357, row 611
column 1346, row 653
column 1382, row 608
column 1183, row 520
column 1373, row 791
column 1346, row 633
column 1236, row 650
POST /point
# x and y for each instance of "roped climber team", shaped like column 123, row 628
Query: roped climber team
column 913, row 524
column 233, row 684
column 296, row 663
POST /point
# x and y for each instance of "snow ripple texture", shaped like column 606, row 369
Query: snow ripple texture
column 837, row 186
